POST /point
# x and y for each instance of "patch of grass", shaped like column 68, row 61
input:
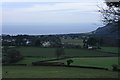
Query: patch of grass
column 73, row 41
column 110, row 49
column 37, row 51
column 51, row 52
column 29, row 61
column 104, row 62
column 55, row 72
column 85, row 52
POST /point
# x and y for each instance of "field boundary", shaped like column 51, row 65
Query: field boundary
column 72, row 56
column 46, row 63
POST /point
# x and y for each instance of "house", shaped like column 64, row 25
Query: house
column 28, row 42
column 46, row 44
column 90, row 47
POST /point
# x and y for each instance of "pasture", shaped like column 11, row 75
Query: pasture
column 51, row 52
column 104, row 62
column 86, row 58
column 72, row 41
column 29, row 61
column 55, row 72
column 110, row 49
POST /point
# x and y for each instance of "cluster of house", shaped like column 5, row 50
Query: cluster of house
column 26, row 41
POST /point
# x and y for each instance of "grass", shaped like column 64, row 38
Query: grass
column 94, row 62
column 29, row 61
column 51, row 52
column 80, row 42
column 37, row 51
column 55, row 72
column 62, row 72
column 85, row 52
column 73, row 41
column 110, row 49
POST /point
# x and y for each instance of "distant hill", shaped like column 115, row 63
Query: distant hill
column 109, row 33
column 110, row 30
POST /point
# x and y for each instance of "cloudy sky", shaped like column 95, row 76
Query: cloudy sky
column 50, row 16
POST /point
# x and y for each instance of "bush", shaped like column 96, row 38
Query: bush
column 12, row 56
column 69, row 62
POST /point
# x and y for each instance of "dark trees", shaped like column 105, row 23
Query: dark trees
column 12, row 56
column 111, row 17
column 38, row 42
column 69, row 62
column 92, row 41
column 111, row 13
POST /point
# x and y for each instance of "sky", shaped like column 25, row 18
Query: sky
column 50, row 16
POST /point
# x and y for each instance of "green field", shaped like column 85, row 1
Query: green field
column 30, row 60
column 73, row 41
column 110, row 49
column 104, row 62
column 51, row 52
column 30, row 71
column 55, row 72
column 80, row 42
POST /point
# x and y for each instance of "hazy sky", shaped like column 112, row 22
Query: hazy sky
column 50, row 16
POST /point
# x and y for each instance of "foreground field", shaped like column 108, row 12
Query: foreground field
column 86, row 58
column 55, row 72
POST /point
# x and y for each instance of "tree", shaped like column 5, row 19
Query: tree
column 92, row 41
column 13, row 56
column 60, row 52
column 69, row 62
column 111, row 16
column 85, row 43
column 38, row 42
column 111, row 13
column 5, row 49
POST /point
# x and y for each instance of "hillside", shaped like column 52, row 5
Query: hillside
column 110, row 30
column 109, row 34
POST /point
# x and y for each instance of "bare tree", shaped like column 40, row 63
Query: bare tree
column 111, row 13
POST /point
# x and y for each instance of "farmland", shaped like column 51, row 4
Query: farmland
column 85, row 58
column 73, row 41
column 110, row 49
column 51, row 52
column 55, row 72
column 104, row 62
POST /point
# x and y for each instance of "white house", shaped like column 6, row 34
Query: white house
column 90, row 47
column 46, row 44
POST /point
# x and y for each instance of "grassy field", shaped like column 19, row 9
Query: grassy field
column 37, row 51
column 73, row 41
column 110, row 49
column 55, row 72
column 104, row 62
column 80, row 42
column 61, row 72
column 29, row 61
column 51, row 52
